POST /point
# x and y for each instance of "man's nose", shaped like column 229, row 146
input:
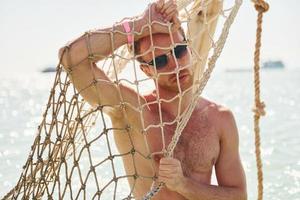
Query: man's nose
column 173, row 61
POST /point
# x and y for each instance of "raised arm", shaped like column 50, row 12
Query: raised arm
column 80, row 56
column 79, row 60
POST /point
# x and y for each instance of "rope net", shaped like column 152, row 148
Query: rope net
column 96, row 145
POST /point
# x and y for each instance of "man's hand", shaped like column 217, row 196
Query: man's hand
column 170, row 172
column 160, row 13
column 167, row 9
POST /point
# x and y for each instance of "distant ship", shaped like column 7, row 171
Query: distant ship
column 276, row 64
column 246, row 69
column 49, row 69
column 272, row 64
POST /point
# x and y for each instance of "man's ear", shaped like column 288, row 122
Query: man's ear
column 145, row 69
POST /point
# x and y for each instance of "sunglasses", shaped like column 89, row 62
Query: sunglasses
column 162, row 60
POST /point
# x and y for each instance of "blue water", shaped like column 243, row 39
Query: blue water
column 23, row 98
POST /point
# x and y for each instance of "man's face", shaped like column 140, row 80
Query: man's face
column 167, row 78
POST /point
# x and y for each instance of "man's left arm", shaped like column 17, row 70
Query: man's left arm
column 229, row 170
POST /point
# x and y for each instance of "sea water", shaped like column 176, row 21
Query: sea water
column 23, row 99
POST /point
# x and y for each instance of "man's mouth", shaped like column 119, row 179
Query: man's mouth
column 181, row 76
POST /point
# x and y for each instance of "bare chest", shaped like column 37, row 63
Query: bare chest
column 198, row 146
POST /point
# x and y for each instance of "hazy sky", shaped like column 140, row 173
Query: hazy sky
column 32, row 31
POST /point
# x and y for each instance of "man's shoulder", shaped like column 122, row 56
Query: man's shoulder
column 219, row 114
column 214, row 108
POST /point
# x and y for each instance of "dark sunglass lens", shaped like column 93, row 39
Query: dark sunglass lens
column 180, row 50
column 161, row 61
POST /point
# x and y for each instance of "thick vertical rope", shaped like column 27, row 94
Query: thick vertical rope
column 261, row 7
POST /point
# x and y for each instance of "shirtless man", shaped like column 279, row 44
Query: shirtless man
column 210, row 138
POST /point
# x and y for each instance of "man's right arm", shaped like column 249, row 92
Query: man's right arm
column 79, row 59
column 80, row 56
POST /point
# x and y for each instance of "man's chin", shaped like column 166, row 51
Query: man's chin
column 185, row 85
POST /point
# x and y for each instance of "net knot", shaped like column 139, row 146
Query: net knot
column 58, row 138
column 259, row 109
column 75, row 97
column 68, row 181
column 92, row 169
column 47, row 139
column 75, row 163
column 100, row 107
column 117, row 82
column 40, row 159
column 91, row 57
column 111, row 157
column 261, row 5
column 52, row 91
column 68, row 70
column 67, row 46
column 135, row 176
column 63, row 159
column 87, row 145
column 115, row 179
column 105, row 130
column 94, row 81
column 98, row 193
column 144, row 132
column 132, row 151
column 30, row 158
column 122, row 105
column 78, row 119
column 88, row 33
column 127, row 127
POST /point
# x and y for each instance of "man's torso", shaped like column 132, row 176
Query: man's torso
column 197, row 148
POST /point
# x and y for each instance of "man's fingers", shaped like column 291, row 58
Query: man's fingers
column 168, row 169
column 176, row 22
column 170, row 9
column 163, row 179
column 167, row 160
column 159, row 5
column 166, row 175
column 170, row 165
column 171, row 15
column 167, row 5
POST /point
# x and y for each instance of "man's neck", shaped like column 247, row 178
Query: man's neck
column 173, row 103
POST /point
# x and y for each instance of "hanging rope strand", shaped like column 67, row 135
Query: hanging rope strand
column 261, row 7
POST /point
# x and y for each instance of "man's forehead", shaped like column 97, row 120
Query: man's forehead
column 159, row 40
